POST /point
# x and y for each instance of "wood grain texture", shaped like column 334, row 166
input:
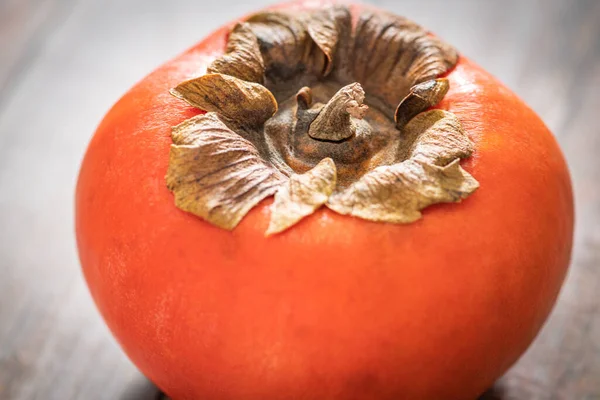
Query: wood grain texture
column 66, row 62
column 23, row 26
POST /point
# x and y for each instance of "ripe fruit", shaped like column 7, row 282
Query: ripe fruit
column 355, row 293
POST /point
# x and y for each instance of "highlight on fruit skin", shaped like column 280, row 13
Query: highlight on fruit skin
column 287, row 117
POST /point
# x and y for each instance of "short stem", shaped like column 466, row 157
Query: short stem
column 334, row 122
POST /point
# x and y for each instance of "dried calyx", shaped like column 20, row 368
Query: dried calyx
column 317, row 112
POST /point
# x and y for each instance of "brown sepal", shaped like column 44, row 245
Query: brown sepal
column 242, row 58
column 430, row 174
column 301, row 195
column 215, row 173
column 435, row 137
column 245, row 103
column 398, row 192
column 421, row 97
column 392, row 54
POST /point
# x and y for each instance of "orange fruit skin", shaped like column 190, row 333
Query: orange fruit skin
column 336, row 307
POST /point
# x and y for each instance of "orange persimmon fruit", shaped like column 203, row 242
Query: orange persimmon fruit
column 336, row 306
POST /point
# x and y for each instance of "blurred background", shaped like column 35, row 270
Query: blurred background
column 63, row 63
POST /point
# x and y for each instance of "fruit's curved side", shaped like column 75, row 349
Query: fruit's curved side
column 336, row 306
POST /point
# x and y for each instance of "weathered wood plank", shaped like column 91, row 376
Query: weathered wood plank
column 23, row 25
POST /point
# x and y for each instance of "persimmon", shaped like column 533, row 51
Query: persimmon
column 351, row 210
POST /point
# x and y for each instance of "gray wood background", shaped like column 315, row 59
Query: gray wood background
column 64, row 62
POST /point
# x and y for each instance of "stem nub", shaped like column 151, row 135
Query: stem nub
column 334, row 122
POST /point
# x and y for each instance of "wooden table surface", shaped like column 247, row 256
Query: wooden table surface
column 64, row 62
